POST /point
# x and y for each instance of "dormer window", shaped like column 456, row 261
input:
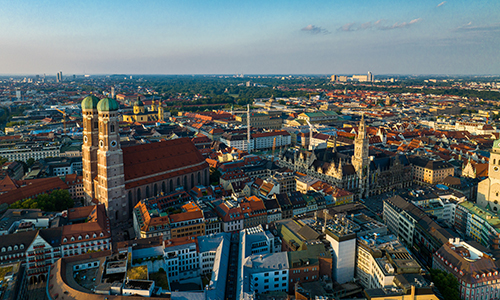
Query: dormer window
column 9, row 248
column 3, row 249
column 21, row 246
column 79, row 237
column 65, row 240
column 72, row 239
column 87, row 237
column 94, row 236
column 101, row 235
column 15, row 247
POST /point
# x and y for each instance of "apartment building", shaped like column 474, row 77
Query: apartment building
column 475, row 270
column 427, row 171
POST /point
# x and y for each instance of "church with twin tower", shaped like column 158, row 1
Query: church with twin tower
column 120, row 178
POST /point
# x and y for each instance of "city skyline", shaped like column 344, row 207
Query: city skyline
column 223, row 37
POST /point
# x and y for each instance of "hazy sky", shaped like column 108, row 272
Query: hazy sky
column 250, row 37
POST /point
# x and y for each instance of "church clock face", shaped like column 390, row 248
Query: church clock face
column 113, row 143
column 85, row 139
column 495, row 168
column 101, row 143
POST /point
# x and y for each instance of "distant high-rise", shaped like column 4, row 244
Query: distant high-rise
column 59, row 76
column 112, row 92
column 370, row 77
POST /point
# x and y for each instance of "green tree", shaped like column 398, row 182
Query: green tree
column 446, row 283
column 3, row 160
column 57, row 200
column 215, row 176
column 30, row 162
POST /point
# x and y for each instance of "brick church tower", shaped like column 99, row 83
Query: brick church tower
column 103, row 158
column 90, row 144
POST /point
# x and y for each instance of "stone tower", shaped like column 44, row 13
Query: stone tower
column 360, row 160
column 161, row 112
column 90, row 145
column 110, row 183
column 488, row 190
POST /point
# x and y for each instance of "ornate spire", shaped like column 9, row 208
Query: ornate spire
column 362, row 127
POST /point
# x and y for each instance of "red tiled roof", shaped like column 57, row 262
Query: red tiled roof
column 10, row 138
column 98, row 223
column 145, row 163
column 7, row 184
column 185, row 216
column 33, row 188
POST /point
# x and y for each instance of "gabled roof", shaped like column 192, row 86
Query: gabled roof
column 33, row 188
column 7, row 184
column 185, row 216
column 179, row 156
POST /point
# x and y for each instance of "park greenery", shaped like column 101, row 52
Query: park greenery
column 160, row 279
column 446, row 283
column 57, row 200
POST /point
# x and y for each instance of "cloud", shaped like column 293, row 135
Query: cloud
column 441, row 4
column 315, row 29
column 482, row 28
column 379, row 25
column 348, row 27
column 401, row 25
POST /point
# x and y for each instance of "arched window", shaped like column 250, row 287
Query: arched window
column 15, row 247
column 79, row 237
column 72, row 239
column 178, row 182
column 171, row 185
column 94, row 235
column 3, row 249
column 101, row 235
column 155, row 189
column 87, row 237
column 22, row 247
column 139, row 194
column 192, row 180
column 116, row 215
column 112, row 128
column 163, row 188
column 185, row 183
column 199, row 178
column 9, row 248
column 65, row 240
column 147, row 191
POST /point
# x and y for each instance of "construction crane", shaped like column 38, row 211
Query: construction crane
column 64, row 118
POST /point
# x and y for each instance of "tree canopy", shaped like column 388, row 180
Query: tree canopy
column 446, row 283
column 57, row 200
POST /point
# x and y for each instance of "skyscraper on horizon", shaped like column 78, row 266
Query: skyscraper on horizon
column 370, row 76
column 59, row 76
